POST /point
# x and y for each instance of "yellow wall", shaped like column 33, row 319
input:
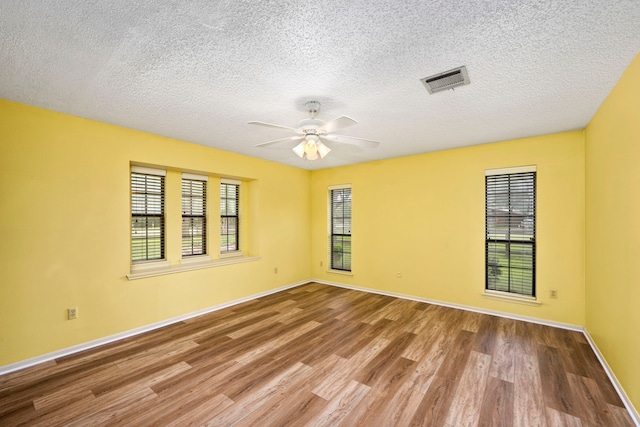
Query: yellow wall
column 423, row 216
column 65, row 230
column 613, row 230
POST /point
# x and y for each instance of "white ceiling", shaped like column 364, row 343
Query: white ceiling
column 200, row 70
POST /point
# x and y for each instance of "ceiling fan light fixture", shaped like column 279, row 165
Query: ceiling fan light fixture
column 311, row 148
column 323, row 150
column 299, row 149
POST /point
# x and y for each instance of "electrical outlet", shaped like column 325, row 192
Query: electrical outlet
column 399, row 275
column 72, row 313
column 276, row 270
column 553, row 294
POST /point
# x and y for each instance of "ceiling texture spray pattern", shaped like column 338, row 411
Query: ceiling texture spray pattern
column 200, row 70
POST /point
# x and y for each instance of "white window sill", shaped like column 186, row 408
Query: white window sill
column 231, row 254
column 344, row 273
column 149, row 266
column 507, row 297
column 159, row 269
column 195, row 259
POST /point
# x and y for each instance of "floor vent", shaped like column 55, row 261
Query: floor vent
column 447, row 80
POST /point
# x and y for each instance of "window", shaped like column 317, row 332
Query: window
column 147, row 214
column 510, row 230
column 340, row 228
column 194, row 215
column 229, row 216
column 156, row 248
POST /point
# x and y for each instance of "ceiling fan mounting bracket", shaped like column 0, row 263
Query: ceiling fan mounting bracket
column 313, row 107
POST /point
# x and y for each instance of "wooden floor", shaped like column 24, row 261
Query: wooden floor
column 324, row 356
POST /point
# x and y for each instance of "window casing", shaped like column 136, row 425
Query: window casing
column 229, row 216
column 147, row 215
column 194, row 215
column 340, row 228
column 157, row 196
column 510, row 244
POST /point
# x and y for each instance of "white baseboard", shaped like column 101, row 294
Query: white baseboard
column 459, row 306
column 623, row 396
column 126, row 334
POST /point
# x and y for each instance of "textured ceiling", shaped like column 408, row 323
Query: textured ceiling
column 200, row 70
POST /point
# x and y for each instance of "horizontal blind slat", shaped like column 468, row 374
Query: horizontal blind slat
column 147, row 217
column 229, row 217
column 510, row 232
column 194, row 228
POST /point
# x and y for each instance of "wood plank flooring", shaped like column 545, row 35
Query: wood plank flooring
column 320, row 355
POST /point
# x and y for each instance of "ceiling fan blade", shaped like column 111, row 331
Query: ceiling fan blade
column 337, row 124
column 275, row 141
column 271, row 125
column 360, row 142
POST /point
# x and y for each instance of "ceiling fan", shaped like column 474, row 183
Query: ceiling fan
column 312, row 131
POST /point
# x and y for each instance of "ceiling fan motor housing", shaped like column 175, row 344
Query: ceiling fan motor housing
column 310, row 126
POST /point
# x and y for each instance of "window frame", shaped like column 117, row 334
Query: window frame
column 172, row 261
column 333, row 237
column 191, row 213
column 237, row 250
column 516, row 232
column 148, row 173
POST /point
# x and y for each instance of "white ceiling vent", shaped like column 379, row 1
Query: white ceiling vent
column 447, row 80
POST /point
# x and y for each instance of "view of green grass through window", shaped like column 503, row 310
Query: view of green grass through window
column 510, row 233
column 194, row 226
column 147, row 217
column 340, row 241
column 229, row 218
